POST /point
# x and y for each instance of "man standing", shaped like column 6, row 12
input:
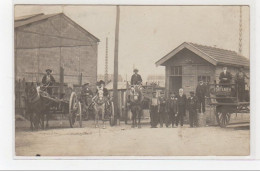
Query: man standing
column 225, row 77
column 240, row 83
column 182, row 100
column 192, row 107
column 136, row 79
column 48, row 81
column 201, row 93
column 172, row 107
column 154, row 107
column 163, row 111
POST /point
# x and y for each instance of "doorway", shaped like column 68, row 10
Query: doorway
column 176, row 83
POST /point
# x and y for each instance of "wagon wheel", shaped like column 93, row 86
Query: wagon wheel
column 223, row 118
column 75, row 112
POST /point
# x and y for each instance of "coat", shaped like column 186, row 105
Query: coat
column 182, row 102
column 46, row 82
column 201, row 91
column 192, row 103
column 172, row 105
column 225, row 78
column 135, row 79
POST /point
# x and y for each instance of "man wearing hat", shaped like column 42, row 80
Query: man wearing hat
column 48, row 81
column 240, row 83
column 201, row 94
column 192, row 105
column 154, row 107
column 136, row 79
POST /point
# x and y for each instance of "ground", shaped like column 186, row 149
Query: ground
column 122, row 140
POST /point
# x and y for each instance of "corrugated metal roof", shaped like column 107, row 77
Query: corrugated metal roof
column 211, row 54
column 25, row 20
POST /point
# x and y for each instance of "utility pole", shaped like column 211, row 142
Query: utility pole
column 240, row 31
column 106, row 62
column 115, row 94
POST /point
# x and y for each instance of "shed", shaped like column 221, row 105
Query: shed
column 57, row 42
column 191, row 62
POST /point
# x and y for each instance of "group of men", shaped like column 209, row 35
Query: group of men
column 172, row 111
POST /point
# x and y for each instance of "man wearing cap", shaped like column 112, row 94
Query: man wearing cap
column 240, row 83
column 136, row 79
column 201, row 91
column 192, row 105
column 48, row 81
column 163, row 110
column 225, row 77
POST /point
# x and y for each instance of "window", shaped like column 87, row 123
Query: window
column 176, row 70
column 204, row 78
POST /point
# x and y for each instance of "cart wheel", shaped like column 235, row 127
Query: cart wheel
column 75, row 111
column 223, row 118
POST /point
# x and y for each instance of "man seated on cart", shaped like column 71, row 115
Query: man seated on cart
column 48, row 81
column 225, row 77
column 101, row 86
column 136, row 78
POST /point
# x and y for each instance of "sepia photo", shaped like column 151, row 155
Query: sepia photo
column 139, row 80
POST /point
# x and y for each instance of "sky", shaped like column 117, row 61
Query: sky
column 147, row 33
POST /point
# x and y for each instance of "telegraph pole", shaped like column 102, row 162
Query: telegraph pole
column 240, row 31
column 115, row 94
column 106, row 62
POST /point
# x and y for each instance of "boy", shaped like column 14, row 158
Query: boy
column 192, row 106
column 154, row 109
column 162, row 110
column 172, row 107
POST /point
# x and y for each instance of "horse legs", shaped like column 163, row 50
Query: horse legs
column 42, row 121
column 133, row 119
column 139, row 120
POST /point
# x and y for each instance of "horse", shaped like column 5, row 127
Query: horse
column 99, row 106
column 135, row 99
column 36, row 107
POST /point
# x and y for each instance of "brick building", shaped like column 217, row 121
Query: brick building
column 190, row 62
column 54, row 41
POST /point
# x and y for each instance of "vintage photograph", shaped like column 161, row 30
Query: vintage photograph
column 120, row 80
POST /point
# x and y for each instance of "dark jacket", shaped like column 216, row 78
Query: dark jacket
column 240, row 77
column 201, row 91
column 192, row 103
column 163, row 104
column 172, row 105
column 225, row 78
column 182, row 102
column 135, row 79
column 45, row 82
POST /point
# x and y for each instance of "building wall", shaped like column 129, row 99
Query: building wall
column 192, row 67
column 53, row 43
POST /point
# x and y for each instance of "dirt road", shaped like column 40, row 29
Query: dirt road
column 125, row 141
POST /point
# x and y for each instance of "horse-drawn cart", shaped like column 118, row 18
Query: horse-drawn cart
column 40, row 103
column 224, row 100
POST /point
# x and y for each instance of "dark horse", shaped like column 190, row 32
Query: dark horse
column 135, row 100
column 36, row 106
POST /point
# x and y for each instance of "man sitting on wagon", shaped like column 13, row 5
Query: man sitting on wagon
column 225, row 77
column 48, row 81
column 136, row 78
